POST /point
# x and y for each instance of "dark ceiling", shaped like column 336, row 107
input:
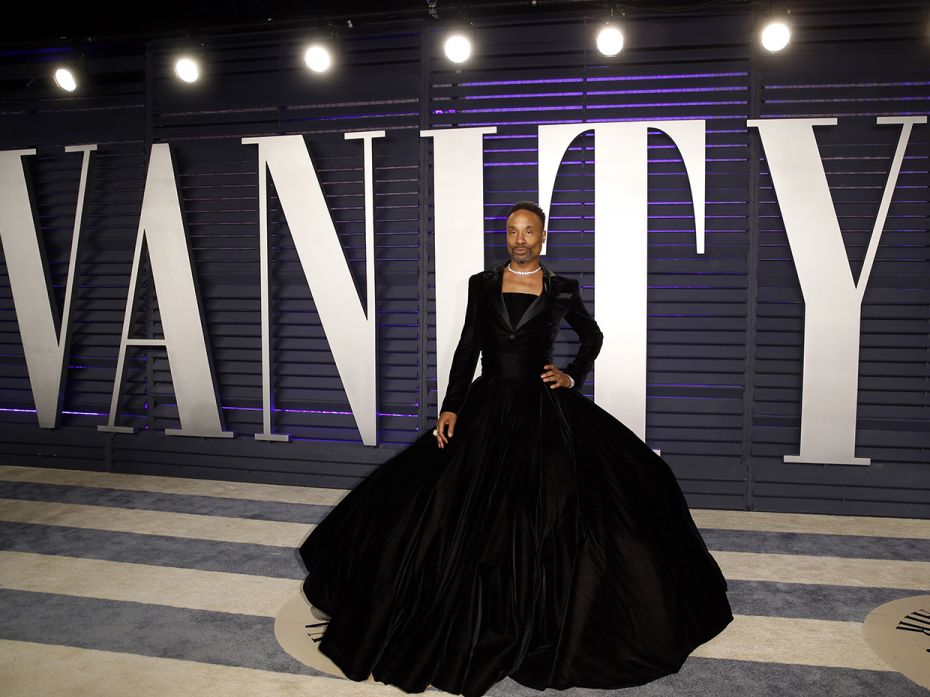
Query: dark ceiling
column 29, row 22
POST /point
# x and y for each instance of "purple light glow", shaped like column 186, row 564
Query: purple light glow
column 341, row 117
column 599, row 93
column 575, row 107
column 619, row 78
column 666, row 77
column 693, row 117
column 504, row 109
column 706, row 159
column 545, row 81
column 314, row 411
column 524, row 95
column 589, row 203
column 521, row 123
column 672, row 90
column 690, row 397
column 590, row 148
column 833, row 100
column 690, row 384
column 742, row 102
column 870, row 114
column 15, row 410
column 844, row 86
column 657, row 90
column 325, row 440
column 517, row 136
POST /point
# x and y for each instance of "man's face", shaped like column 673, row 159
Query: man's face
column 525, row 236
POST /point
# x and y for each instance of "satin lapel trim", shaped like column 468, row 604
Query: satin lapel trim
column 539, row 304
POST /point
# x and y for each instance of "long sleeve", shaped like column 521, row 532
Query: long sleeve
column 465, row 358
column 589, row 335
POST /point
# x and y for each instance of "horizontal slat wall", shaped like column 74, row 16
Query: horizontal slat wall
column 263, row 89
column 725, row 328
column 110, row 112
column 882, row 72
column 255, row 85
column 697, row 304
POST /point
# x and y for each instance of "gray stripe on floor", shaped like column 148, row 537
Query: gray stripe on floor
column 237, row 640
column 149, row 630
column 714, row 677
column 809, row 601
column 849, row 546
column 176, row 503
column 205, row 555
column 763, row 598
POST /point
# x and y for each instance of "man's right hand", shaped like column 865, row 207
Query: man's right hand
column 445, row 427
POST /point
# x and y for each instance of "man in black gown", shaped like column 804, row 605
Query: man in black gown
column 526, row 233
column 530, row 535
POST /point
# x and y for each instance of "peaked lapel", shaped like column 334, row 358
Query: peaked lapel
column 541, row 302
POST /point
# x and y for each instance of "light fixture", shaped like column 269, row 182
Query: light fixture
column 610, row 39
column 318, row 57
column 65, row 78
column 457, row 47
column 187, row 68
column 775, row 35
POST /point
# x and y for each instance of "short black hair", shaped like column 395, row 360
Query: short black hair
column 530, row 206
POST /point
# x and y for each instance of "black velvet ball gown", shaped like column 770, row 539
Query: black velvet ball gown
column 546, row 542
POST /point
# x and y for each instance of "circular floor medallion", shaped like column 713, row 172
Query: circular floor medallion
column 899, row 632
column 296, row 628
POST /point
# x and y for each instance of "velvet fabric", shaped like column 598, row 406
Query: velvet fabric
column 487, row 329
column 546, row 542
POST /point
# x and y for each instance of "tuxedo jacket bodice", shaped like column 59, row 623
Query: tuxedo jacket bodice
column 487, row 330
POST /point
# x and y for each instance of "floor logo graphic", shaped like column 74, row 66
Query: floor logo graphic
column 899, row 632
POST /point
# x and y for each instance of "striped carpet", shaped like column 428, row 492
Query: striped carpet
column 116, row 584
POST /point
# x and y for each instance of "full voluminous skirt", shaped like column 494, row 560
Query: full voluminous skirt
column 546, row 542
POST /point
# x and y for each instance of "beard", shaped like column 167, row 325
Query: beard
column 522, row 257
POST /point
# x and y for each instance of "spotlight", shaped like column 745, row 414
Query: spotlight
column 65, row 79
column 318, row 58
column 776, row 35
column 187, row 69
column 610, row 40
column 457, row 47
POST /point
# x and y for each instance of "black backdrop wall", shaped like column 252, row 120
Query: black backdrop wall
column 725, row 328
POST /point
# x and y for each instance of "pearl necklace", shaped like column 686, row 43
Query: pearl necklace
column 523, row 273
